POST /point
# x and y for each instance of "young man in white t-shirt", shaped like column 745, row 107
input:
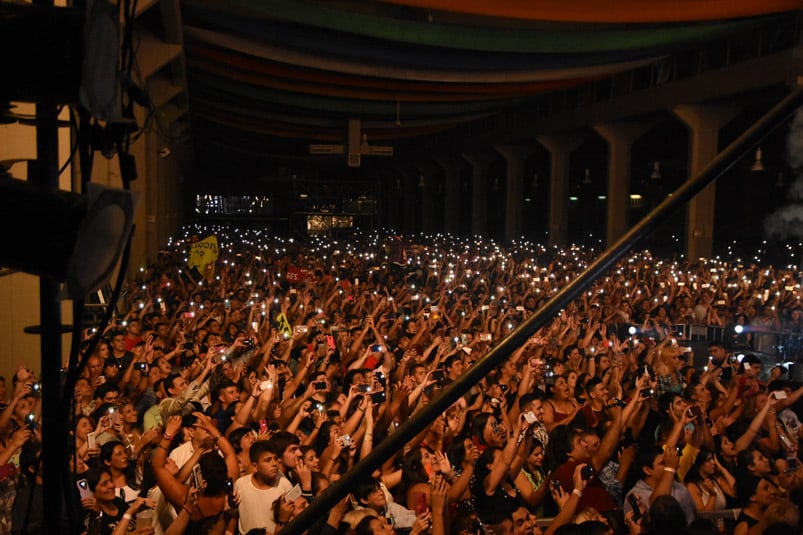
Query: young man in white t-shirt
column 258, row 491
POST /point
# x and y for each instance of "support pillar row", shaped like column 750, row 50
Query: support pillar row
column 451, row 202
column 515, row 155
column 480, row 169
column 704, row 123
column 620, row 138
column 560, row 147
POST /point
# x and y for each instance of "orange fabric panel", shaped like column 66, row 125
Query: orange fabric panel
column 625, row 11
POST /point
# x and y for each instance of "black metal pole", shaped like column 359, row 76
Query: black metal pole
column 54, row 428
column 407, row 431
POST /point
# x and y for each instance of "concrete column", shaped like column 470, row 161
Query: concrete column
column 620, row 138
column 409, row 179
column 480, row 167
column 560, row 147
column 704, row 123
column 451, row 202
column 514, row 193
column 431, row 218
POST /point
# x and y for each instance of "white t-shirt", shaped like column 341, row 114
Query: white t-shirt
column 182, row 453
column 256, row 505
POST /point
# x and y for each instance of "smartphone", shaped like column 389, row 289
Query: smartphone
column 485, row 337
column 114, row 416
column 555, row 485
column 293, row 494
column 319, row 385
column 779, row 394
column 587, row 472
column 631, row 498
column 378, row 397
column 437, row 375
column 647, row 392
column 90, row 440
column 330, row 341
column 83, row 489
column 363, row 387
column 345, row 441
column 694, row 411
column 529, row 416
column 263, row 426
column 189, row 315
column 302, row 329
column 197, row 477
column 377, row 348
column 230, row 493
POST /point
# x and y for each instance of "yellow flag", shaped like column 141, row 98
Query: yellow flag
column 203, row 253
column 283, row 325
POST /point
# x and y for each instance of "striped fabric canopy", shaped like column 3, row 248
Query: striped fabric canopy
column 298, row 69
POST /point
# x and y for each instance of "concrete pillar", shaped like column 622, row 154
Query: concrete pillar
column 480, row 167
column 431, row 218
column 704, row 123
column 514, row 193
column 409, row 180
column 560, row 147
column 451, row 202
column 620, row 138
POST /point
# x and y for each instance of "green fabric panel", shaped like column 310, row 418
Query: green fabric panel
column 487, row 38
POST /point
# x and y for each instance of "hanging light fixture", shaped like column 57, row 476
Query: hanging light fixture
column 421, row 180
column 758, row 165
column 656, row 170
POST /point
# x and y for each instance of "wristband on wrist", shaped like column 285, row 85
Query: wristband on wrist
column 126, row 516
column 167, row 436
column 669, row 469
column 578, row 493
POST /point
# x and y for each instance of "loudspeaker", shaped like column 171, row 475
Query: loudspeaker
column 74, row 238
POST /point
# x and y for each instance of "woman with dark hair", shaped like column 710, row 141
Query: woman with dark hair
column 755, row 495
column 531, row 480
column 487, row 431
column 417, row 469
column 560, row 408
column 494, row 485
column 311, row 460
column 114, row 458
column 463, row 457
column 709, row 484
column 107, row 513
column 241, row 440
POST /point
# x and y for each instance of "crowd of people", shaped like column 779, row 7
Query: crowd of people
column 225, row 398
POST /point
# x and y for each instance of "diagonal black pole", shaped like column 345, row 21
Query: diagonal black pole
column 724, row 160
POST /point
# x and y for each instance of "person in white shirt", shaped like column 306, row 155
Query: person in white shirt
column 201, row 439
column 258, row 491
